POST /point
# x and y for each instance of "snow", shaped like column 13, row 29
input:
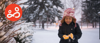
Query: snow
column 21, row 1
column 50, row 35
column 25, row 32
column 45, row 36
column 90, row 36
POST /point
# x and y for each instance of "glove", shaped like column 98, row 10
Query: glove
column 65, row 37
column 71, row 35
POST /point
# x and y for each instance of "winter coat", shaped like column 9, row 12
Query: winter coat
column 66, row 29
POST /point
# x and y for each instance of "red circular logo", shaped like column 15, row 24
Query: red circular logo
column 13, row 12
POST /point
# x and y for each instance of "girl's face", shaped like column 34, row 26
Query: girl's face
column 68, row 19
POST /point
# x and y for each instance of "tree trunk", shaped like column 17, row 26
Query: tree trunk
column 93, row 25
column 42, row 24
column 35, row 24
column 87, row 24
column 39, row 24
column 47, row 22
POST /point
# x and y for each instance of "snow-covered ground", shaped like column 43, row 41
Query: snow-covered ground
column 49, row 35
column 90, row 36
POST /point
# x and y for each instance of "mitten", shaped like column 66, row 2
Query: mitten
column 65, row 37
column 71, row 35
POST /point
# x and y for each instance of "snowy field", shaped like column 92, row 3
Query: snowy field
column 50, row 36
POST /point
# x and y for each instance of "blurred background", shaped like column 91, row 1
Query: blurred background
column 41, row 18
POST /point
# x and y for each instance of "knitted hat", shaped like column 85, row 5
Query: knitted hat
column 69, row 12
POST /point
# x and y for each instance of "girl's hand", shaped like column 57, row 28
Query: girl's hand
column 71, row 35
column 65, row 37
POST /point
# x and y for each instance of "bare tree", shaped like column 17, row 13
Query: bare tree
column 76, row 4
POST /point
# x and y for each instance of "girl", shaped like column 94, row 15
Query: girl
column 69, row 30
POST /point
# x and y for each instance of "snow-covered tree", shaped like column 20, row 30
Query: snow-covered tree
column 5, row 25
column 91, row 9
column 25, row 34
column 42, row 10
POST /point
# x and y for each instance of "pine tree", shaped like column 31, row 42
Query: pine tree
column 91, row 9
column 42, row 10
column 5, row 24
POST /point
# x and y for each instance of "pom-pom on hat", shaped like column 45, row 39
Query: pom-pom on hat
column 69, row 12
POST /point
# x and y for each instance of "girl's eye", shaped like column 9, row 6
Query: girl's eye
column 70, row 18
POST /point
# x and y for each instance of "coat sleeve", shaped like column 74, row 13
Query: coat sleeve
column 60, row 32
column 78, row 32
